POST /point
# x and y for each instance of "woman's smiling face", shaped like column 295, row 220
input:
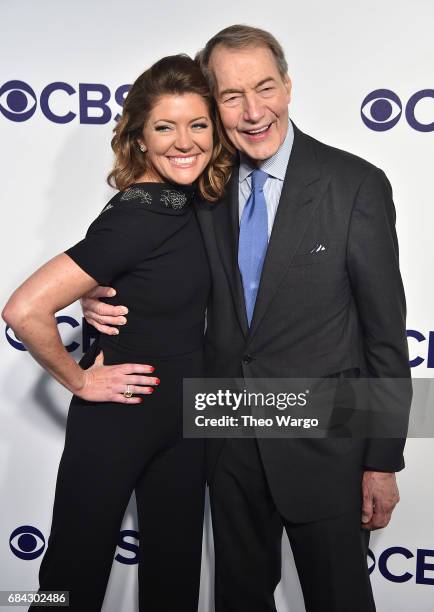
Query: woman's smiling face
column 178, row 138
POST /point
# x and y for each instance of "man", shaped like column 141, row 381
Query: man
column 322, row 298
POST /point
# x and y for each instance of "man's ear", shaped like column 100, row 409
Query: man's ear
column 288, row 86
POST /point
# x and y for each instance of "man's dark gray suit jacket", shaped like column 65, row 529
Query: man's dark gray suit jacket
column 317, row 314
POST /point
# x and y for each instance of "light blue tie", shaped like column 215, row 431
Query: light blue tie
column 253, row 240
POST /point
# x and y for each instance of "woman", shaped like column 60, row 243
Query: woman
column 124, row 428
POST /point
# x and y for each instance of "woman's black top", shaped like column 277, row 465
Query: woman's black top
column 146, row 243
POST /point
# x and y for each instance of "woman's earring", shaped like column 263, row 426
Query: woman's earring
column 142, row 148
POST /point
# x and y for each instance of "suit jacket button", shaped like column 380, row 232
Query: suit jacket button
column 247, row 358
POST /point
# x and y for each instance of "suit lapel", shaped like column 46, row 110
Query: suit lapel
column 302, row 191
column 226, row 226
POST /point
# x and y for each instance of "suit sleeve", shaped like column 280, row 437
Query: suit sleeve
column 120, row 238
column 373, row 265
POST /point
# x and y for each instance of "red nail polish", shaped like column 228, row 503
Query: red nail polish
column 151, row 390
column 152, row 368
column 157, row 381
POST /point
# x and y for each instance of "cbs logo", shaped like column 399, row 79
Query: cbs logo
column 18, row 102
column 88, row 333
column 28, row 543
column 382, row 109
column 397, row 556
column 427, row 343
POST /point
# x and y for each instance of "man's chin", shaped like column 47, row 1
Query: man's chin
column 262, row 151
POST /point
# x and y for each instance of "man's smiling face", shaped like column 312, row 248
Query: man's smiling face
column 252, row 99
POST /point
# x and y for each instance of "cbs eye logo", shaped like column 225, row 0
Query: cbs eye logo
column 27, row 542
column 382, row 109
column 20, row 101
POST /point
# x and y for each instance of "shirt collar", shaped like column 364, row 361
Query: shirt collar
column 275, row 165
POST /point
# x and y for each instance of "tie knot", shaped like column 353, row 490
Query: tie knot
column 258, row 179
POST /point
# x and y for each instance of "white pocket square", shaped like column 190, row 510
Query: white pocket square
column 318, row 248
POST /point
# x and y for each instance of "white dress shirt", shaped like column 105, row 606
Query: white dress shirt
column 275, row 167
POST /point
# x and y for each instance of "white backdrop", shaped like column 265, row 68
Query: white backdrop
column 52, row 185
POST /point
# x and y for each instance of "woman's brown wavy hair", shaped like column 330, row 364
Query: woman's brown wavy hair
column 175, row 74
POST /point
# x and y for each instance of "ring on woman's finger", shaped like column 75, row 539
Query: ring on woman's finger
column 128, row 393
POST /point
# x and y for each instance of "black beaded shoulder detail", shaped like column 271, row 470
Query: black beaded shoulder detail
column 159, row 197
column 161, row 194
column 172, row 198
column 137, row 193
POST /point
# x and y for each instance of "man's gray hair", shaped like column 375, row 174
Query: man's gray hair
column 240, row 37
